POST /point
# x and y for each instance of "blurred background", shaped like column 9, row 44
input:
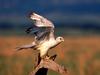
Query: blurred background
column 78, row 21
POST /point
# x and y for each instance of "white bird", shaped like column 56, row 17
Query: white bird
column 44, row 35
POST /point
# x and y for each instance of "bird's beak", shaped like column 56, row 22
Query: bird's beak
column 62, row 40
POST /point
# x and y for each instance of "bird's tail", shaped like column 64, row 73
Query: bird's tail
column 25, row 47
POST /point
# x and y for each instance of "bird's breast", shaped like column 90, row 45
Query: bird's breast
column 44, row 47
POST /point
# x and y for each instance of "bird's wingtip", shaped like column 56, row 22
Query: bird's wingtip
column 31, row 13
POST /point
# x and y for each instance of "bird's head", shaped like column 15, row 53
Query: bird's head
column 59, row 39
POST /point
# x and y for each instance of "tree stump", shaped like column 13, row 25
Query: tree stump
column 45, row 64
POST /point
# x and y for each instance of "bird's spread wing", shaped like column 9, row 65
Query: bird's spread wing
column 44, row 28
column 40, row 21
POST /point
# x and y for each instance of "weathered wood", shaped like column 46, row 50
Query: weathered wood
column 45, row 64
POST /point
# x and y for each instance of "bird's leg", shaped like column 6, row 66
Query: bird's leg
column 25, row 47
column 43, row 57
column 47, row 56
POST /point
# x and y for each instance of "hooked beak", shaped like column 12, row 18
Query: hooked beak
column 62, row 39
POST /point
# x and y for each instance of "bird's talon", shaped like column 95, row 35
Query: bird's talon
column 47, row 57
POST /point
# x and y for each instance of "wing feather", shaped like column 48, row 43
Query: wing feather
column 45, row 28
column 40, row 21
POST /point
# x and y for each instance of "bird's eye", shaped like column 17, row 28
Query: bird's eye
column 60, row 38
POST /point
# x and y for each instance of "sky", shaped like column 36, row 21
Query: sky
column 59, row 11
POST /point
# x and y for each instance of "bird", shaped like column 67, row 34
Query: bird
column 43, row 34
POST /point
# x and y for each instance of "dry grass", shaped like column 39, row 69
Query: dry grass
column 80, row 54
